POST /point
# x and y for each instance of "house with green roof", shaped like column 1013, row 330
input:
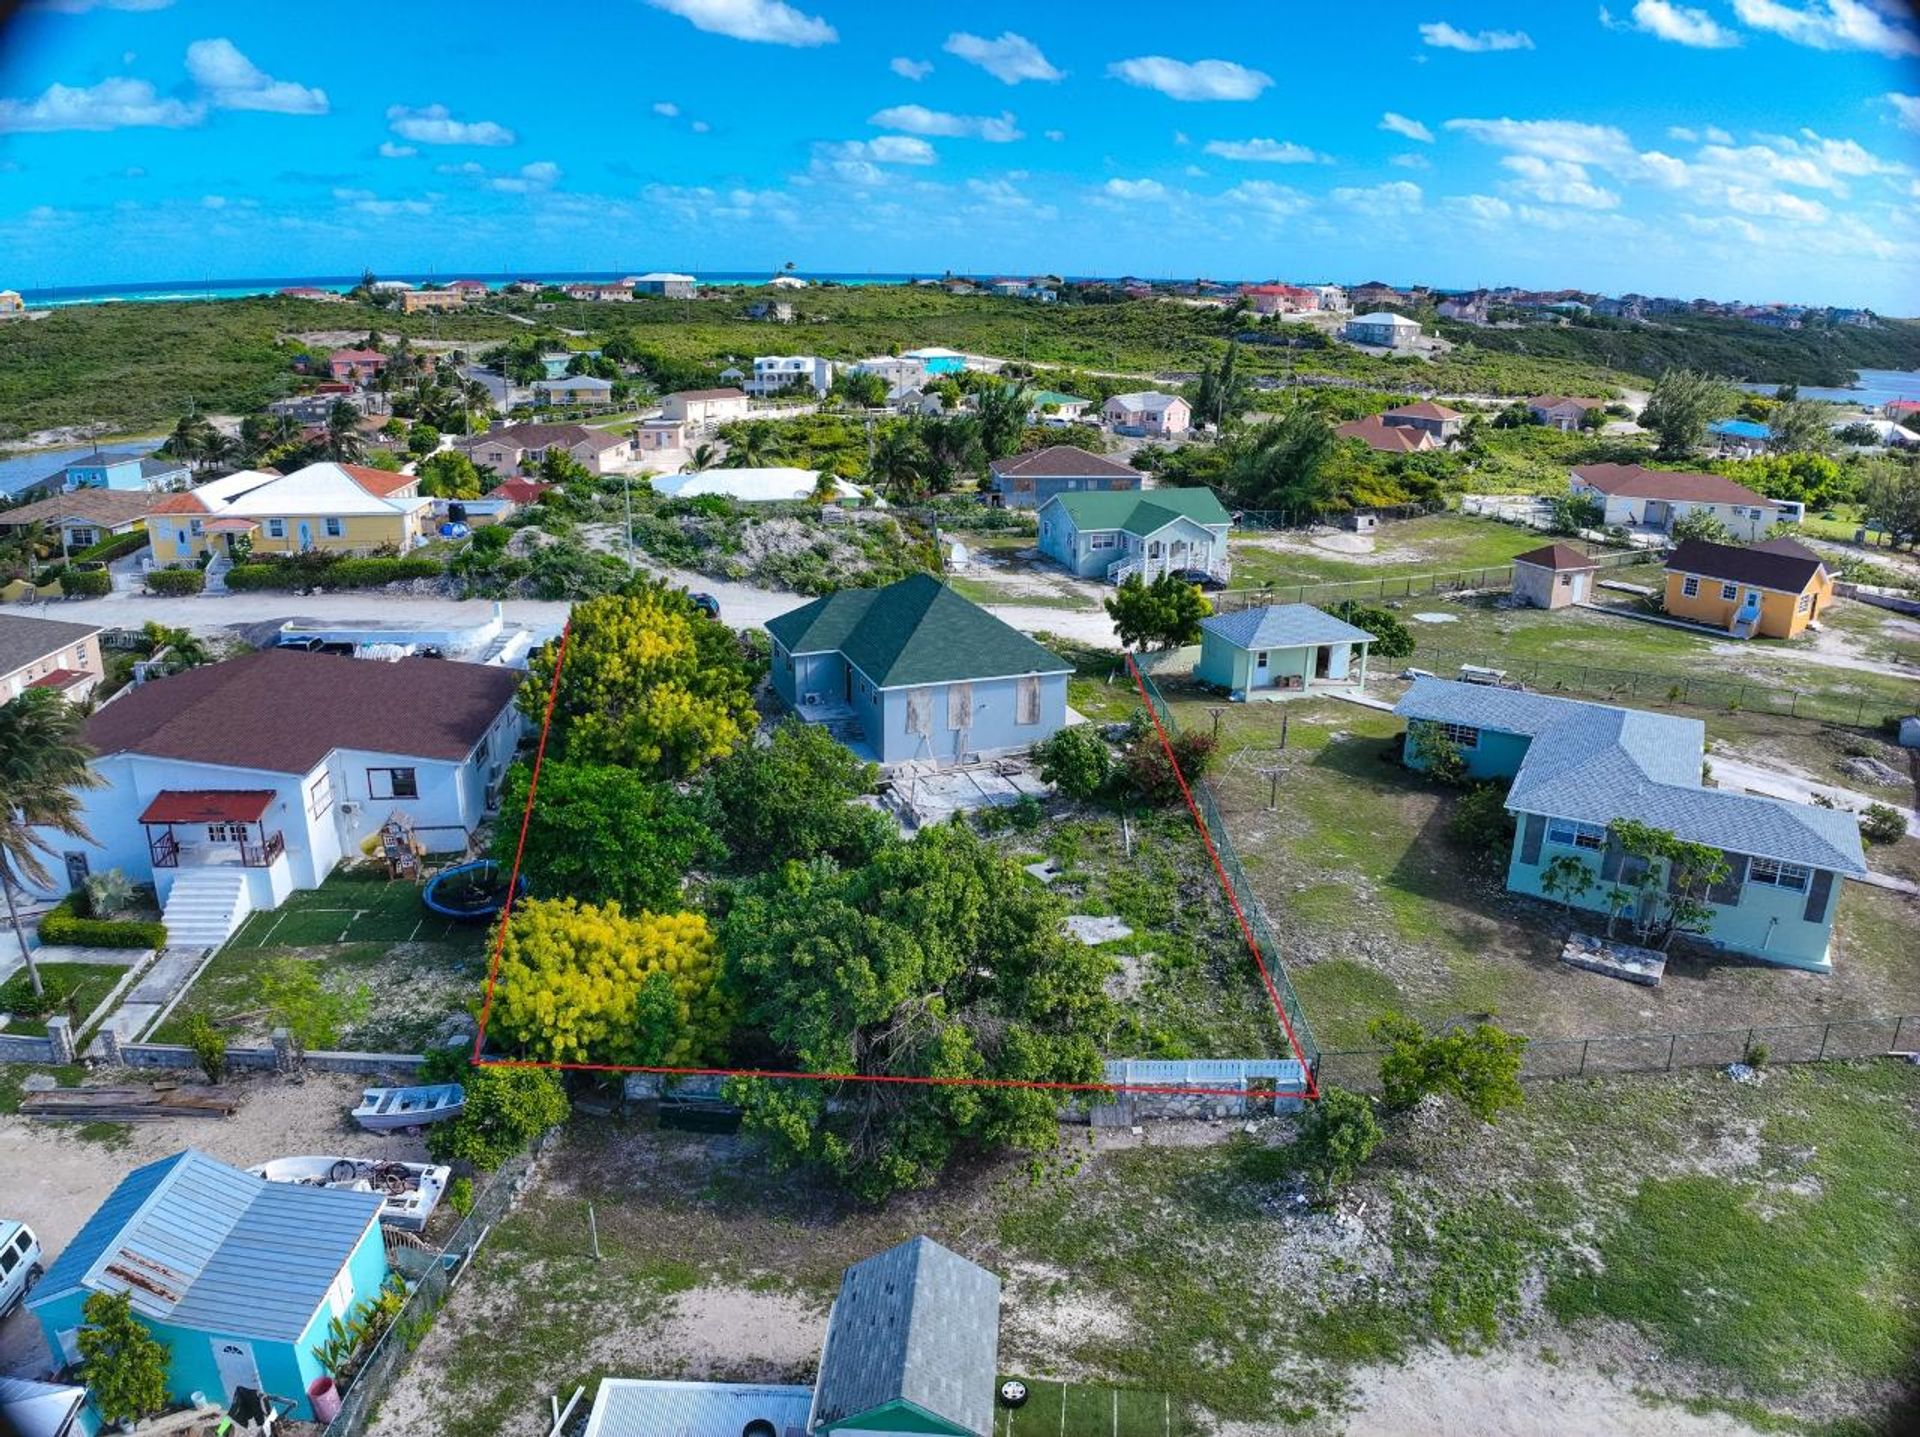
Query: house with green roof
column 1150, row 532
column 914, row 673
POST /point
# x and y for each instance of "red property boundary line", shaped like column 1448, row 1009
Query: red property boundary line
column 479, row 1058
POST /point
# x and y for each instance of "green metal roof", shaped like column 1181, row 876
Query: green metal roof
column 1141, row 512
column 1054, row 396
column 917, row 631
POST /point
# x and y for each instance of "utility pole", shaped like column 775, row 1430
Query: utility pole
column 626, row 489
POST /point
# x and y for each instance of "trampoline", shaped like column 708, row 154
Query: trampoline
column 474, row 891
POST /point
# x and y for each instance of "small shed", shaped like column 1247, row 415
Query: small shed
column 1554, row 576
column 1362, row 521
column 1280, row 648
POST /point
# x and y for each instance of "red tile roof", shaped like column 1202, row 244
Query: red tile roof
column 1425, row 409
column 379, row 482
column 62, row 679
column 284, row 711
column 1558, row 557
column 209, row 805
column 1376, row 433
column 1630, row 481
column 521, row 491
column 183, row 503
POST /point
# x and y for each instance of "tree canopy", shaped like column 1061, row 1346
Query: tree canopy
column 939, row 958
column 791, row 799
column 1165, row 614
column 601, row 833
column 1683, row 403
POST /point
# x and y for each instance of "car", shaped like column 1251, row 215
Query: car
column 706, row 604
column 1201, row 578
column 20, row 1265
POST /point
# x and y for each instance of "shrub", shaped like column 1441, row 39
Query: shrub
column 1152, row 775
column 1391, row 638
column 1480, row 822
column 460, row 1195
column 126, row 1365
column 1340, row 1134
column 55, row 996
column 339, row 574
column 62, row 926
column 209, row 1048
column 1076, row 760
column 114, row 546
column 178, row 581
column 506, row 1109
column 86, row 583
column 1881, row 823
column 313, row 1014
column 1479, row 1065
column 1435, row 754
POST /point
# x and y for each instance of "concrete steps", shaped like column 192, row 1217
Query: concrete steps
column 204, row 907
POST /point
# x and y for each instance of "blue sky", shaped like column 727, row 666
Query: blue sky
column 1760, row 149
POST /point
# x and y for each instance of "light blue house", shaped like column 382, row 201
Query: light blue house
column 236, row 1275
column 1281, row 648
column 1152, row 532
column 1577, row 768
column 137, row 472
column 936, row 360
column 913, row 672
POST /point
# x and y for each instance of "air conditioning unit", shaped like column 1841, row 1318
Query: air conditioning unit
column 812, row 701
column 350, row 807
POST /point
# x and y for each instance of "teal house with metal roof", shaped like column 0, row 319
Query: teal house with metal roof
column 238, row 1276
column 912, row 672
column 1577, row 768
column 1281, row 648
column 1151, row 532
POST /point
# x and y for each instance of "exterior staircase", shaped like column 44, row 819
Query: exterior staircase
column 205, row 906
column 1122, row 570
column 217, row 574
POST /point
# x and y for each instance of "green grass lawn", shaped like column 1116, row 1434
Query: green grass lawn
column 1435, row 544
column 85, row 984
column 350, row 907
column 13, row 1077
column 1058, row 1409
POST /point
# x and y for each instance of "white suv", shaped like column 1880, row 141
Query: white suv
column 19, row 1264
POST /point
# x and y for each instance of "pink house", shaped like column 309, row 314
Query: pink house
column 356, row 365
column 656, row 435
column 1280, row 298
column 1158, row 416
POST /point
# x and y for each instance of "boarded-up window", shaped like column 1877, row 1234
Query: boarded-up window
column 920, row 712
column 1026, row 699
column 959, row 706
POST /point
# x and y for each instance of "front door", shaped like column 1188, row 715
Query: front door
column 306, row 536
column 234, row 1359
column 1321, row 658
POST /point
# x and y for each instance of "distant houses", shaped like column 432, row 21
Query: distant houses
column 575, row 391
column 1655, row 499
column 521, row 448
column 356, row 366
column 669, row 286
column 136, row 473
column 1148, row 414
column 1562, row 411
column 1772, row 589
column 1026, row 481
column 82, row 517
column 1384, row 438
column 1152, row 532
column 705, row 409
column 1381, row 329
column 48, row 654
column 786, row 373
column 773, row 485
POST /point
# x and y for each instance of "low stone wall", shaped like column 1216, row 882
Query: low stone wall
column 1126, row 1109
column 1880, row 598
column 15, row 1048
column 175, row 1055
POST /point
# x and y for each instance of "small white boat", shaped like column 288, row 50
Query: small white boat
column 386, row 1110
column 412, row 1190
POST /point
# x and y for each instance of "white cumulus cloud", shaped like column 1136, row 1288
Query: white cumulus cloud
column 666, row 108
column 1195, row 80
column 767, row 21
column 1400, row 125
column 1907, row 107
column 1682, row 24
column 390, row 151
column 1382, row 201
column 910, row 69
column 919, row 120
column 1831, row 25
column 1559, row 182
column 119, row 103
column 1272, row 152
column 1274, row 201
column 1443, row 36
column 435, row 125
column 1011, row 58
column 1135, row 189
column 233, row 82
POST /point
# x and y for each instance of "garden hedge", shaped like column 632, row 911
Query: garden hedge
column 345, row 574
column 62, row 927
column 86, row 583
column 176, row 581
column 114, row 546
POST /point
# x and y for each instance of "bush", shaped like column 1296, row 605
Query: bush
column 506, row 1109
column 460, row 1195
column 1076, row 760
column 337, row 574
column 86, row 584
column 114, row 546
column 209, row 1048
column 63, row 927
column 1481, row 824
column 1881, row 823
column 1479, row 1065
column 1340, row 1133
column 1391, row 638
column 176, row 581
column 1152, row 775
column 55, row 996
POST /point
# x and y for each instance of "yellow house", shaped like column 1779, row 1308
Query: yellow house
column 1773, row 589
column 181, row 527
column 342, row 508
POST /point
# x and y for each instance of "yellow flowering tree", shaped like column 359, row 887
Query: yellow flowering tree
column 650, row 683
column 586, row 983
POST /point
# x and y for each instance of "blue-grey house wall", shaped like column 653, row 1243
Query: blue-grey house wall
column 994, row 729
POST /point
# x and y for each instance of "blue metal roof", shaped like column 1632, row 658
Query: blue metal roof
column 1283, row 626
column 1741, row 429
column 628, row 1407
column 1594, row 763
column 200, row 1244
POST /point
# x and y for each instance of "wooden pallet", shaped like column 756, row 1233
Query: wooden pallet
column 128, row 1105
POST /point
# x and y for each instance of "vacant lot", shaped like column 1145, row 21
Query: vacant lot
column 359, row 929
column 1435, row 544
column 1619, row 1242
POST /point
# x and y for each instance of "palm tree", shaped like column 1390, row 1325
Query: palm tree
column 190, row 438
column 702, row 457
column 43, row 765
column 186, row 648
column 899, row 464
column 344, row 444
column 754, row 444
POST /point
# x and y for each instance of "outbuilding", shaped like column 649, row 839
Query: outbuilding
column 1281, row 648
column 1553, row 576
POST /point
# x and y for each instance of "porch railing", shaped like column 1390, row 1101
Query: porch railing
column 165, row 850
column 263, row 854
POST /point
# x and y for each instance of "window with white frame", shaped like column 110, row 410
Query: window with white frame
column 1729, row 591
column 1778, row 875
column 1568, row 834
column 392, row 783
column 335, row 528
column 1806, row 602
column 320, row 795
column 1102, row 541
column 1690, row 586
column 1460, row 735
column 276, row 528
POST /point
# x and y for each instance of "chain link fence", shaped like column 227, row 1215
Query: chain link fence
column 1394, row 586
column 1359, row 1068
column 431, row 1275
column 1240, row 890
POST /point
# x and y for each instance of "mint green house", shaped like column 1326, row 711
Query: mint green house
column 1151, row 532
column 1281, row 648
column 1578, row 768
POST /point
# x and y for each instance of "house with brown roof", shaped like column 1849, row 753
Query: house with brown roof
column 1561, row 411
column 46, row 654
column 510, row 449
column 83, row 517
column 1655, row 499
column 1436, row 419
column 1553, row 576
column 356, row 366
column 1026, row 481
column 1773, row 589
column 1385, row 438
column 230, row 786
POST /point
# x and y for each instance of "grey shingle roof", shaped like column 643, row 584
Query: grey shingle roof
column 916, row 631
column 1594, row 763
column 915, row 1323
column 202, row 1245
column 1283, row 626
column 22, row 641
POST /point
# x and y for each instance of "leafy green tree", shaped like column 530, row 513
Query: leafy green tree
column 1576, row 513
column 1076, row 760
column 1813, row 479
column 1683, row 403
column 1567, row 879
column 649, row 682
column 449, row 475
column 1801, row 426
column 1165, row 614
column 1481, row 824
column 1283, row 464
column 1479, row 1065
column 344, row 444
column 603, row 834
column 953, row 447
column 1672, row 876
column 125, row 1364
column 1434, row 754
column 1002, row 413
column 753, row 444
column 313, row 1014
column 422, row 439
column 1890, row 499
column 506, row 1109
column 1221, row 394
column 791, row 799
column 867, row 391
column 1391, row 638
column 1881, row 823
column 899, row 465
column 940, row 958
column 1338, row 1136
column 1701, row 524
column 558, row 466
column 43, row 767
column 192, row 439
